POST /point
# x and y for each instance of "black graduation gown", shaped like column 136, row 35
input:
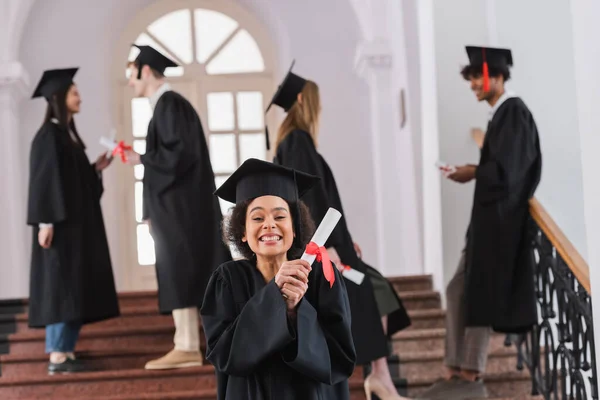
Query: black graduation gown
column 178, row 199
column 72, row 281
column 259, row 355
column 298, row 151
column 499, row 284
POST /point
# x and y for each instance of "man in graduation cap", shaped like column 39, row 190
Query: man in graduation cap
column 179, row 205
column 493, row 286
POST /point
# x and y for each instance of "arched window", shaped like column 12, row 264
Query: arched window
column 223, row 72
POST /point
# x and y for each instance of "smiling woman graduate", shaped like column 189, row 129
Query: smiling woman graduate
column 275, row 329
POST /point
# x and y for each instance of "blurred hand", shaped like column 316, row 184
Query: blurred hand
column 45, row 236
column 133, row 158
column 335, row 258
column 463, row 174
column 357, row 250
column 292, row 280
column 103, row 161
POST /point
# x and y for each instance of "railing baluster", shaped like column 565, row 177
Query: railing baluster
column 566, row 328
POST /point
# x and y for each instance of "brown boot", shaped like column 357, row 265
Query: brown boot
column 176, row 359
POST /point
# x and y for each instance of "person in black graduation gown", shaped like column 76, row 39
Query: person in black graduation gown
column 377, row 312
column 71, row 280
column 179, row 205
column 275, row 327
column 494, row 283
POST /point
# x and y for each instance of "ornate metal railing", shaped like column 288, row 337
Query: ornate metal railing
column 560, row 351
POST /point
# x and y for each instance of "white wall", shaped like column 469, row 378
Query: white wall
column 544, row 76
column 322, row 36
column 586, row 30
column 458, row 111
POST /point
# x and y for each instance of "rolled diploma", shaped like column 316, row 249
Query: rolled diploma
column 108, row 143
column 323, row 232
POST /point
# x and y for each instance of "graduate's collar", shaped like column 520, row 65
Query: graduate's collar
column 505, row 96
column 165, row 87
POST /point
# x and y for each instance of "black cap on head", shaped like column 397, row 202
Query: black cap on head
column 153, row 58
column 286, row 94
column 256, row 178
column 288, row 91
column 53, row 81
column 498, row 58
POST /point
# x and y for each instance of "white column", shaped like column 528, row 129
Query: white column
column 14, row 236
column 397, row 224
column 586, row 31
column 433, row 258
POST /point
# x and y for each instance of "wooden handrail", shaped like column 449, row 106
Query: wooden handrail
column 561, row 243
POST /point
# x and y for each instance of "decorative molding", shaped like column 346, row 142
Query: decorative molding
column 375, row 55
column 14, row 77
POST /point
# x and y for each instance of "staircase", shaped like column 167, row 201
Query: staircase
column 118, row 349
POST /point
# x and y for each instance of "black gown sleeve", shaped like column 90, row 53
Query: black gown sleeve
column 238, row 342
column 298, row 151
column 46, row 203
column 173, row 155
column 323, row 349
column 513, row 149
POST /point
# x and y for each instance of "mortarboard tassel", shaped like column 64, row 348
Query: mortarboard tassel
column 268, row 142
column 486, row 74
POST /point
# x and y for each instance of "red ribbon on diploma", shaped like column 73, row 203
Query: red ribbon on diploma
column 321, row 252
column 120, row 149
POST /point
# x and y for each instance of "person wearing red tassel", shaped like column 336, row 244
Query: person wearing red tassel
column 493, row 287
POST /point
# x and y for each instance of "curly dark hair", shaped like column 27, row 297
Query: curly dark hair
column 234, row 228
column 475, row 71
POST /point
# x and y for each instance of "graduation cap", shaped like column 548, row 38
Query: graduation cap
column 286, row 94
column 489, row 56
column 53, row 81
column 255, row 178
column 153, row 58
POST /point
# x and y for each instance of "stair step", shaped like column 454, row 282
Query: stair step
column 499, row 385
column 18, row 365
column 86, row 384
column 146, row 315
column 412, row 282
column 430, row 364
column 427, row 319
column 420, row 299
column 432, row 339
column 33, row 341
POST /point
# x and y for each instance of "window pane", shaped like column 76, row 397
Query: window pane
column 141, row 113
column 252, row 145
column 139, row 146
column 139, row 201
column 174, row 30
column 145, row 246
column 240, row 55
column 220, row 111
column 212, row 28
column 138, row 172
column 250, row 110
column 144, row 40
column 223, row 152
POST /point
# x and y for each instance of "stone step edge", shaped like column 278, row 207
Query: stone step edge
column 152, row 293
column 129, row 374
